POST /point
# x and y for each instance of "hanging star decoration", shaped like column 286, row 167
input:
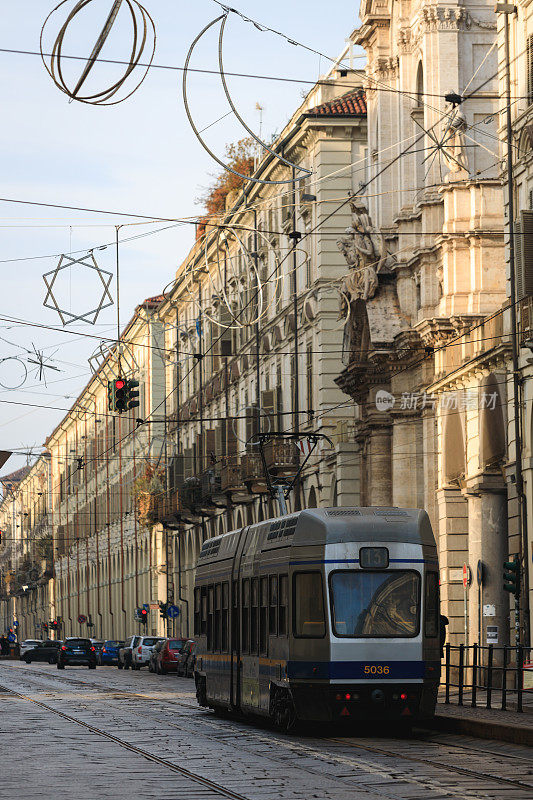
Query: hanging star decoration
column 40, row 362
column 88, row 261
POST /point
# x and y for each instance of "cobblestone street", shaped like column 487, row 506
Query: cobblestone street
column 125, row 734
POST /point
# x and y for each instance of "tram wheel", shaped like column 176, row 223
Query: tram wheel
column 284, row 713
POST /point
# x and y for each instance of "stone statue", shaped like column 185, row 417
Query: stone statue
column 454, row 145
column 362, row 248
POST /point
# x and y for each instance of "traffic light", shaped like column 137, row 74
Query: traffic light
column 116, row 395
column 163, row 610
column 511, row 576
column 132, row 394
column 144, row 616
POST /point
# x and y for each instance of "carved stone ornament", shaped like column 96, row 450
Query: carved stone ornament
column 362, row 247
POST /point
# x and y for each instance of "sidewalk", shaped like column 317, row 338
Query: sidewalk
column 487, row 723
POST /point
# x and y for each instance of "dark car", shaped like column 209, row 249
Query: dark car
column 76, row 652
column 187, row 660
column 109, row 652
column 166, row 656
column 46, row 651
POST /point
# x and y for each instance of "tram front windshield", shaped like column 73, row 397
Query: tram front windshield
column 376, row 604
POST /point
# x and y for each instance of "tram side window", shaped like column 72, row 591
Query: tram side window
column 210, row 615
column 197, row 612
column 203, row 598
column 263, row 615
column 273, row 607
column 432, row 604
column 218, row 617
column 254, row 615
column 245, row 615
column 225, row 614
column 283, row 605
column 234, row 614
column 309, row 617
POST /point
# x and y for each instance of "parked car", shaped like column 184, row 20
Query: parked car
column 142, row 650
column 97, row 644
column 166, row 656
column 28, row 644
column 76, row 652
column 44, row 651
column 108, row 654
column 124, row 653
column 153, row 655
column 187, row 660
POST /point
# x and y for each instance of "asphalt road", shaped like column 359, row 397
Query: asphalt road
column 124, row 735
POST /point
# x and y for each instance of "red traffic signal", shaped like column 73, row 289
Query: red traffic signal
column 120, row 384
column 144, row 616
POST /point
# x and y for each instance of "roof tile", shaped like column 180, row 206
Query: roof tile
column 351, row 104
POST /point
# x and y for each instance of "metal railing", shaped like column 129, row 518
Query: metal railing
column 486, row 676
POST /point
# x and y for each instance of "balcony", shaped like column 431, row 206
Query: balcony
column 231, row 477
column 281, row 457
column 254, row 473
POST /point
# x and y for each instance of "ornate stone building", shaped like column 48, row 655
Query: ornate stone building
column 427, row 361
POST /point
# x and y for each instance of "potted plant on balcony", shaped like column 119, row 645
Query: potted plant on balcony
column 147, row 490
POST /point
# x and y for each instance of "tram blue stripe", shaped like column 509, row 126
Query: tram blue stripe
column 346, row 670
column 356, row 561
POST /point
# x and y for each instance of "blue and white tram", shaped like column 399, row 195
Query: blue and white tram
column 324, row 614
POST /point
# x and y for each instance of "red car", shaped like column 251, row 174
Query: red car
column 167, row 657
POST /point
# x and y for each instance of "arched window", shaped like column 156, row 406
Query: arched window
column 311, row 503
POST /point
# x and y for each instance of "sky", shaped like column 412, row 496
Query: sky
column 138, row 157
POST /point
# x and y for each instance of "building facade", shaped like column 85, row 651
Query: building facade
column 75, row 549
column 428, row 360
column 254, row 338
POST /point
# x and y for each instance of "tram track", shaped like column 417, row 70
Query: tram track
column 217, row 789
column 289, row 744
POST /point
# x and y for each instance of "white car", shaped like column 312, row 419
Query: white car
column 29, row 644
column 140, row 654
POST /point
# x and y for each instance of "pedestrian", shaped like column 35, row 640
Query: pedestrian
column 4, row 645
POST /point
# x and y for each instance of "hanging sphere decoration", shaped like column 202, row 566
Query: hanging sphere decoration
column 144, row 38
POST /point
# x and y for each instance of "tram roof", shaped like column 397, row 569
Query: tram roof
column 321, row 526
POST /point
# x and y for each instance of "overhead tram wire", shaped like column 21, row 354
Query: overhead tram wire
column 394, row 160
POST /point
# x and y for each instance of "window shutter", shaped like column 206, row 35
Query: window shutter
column 524, row 255
column 220, row 440
column 529, row 52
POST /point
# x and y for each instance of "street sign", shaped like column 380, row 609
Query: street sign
column 173, row 612
column 467, row 577
column 15, row 623
column 11, row 637
column 480, row 572
column 82, row 619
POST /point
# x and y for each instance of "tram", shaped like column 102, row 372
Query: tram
column 322, row 615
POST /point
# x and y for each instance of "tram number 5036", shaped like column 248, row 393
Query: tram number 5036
column 373, row 669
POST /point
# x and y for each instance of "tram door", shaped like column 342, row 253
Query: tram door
column 236, row 605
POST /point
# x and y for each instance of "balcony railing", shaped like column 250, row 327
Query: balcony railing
column 231, row 476
column 281, row 457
